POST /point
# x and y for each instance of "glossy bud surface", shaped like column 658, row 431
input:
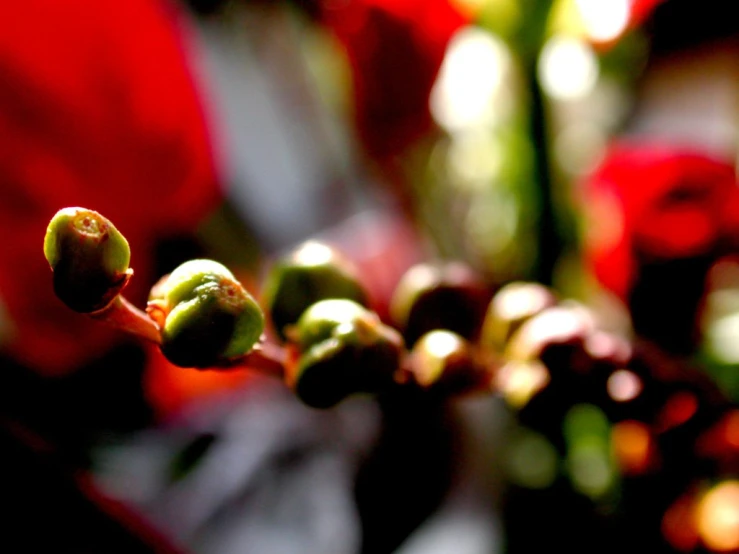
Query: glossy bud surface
column 442, row 361
column 313, row 272
column 346, row 350
column 446, row 295
column 89, row 257
column 207, row 317
column 511, row 306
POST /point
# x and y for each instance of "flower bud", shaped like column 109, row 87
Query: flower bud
column 89, row 258
column 323, row 376
column 442, row 361
column 511, row 306
column 557, row 337
column 311, row 273
column 319, row 321
column 565, row 324
column 432, row 296
column 206, row 316
column 347, row 351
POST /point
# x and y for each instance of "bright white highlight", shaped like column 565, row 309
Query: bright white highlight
column 313, row 253
column 469, row 78
column 722, row 338
column 441, row 344
column 624, row 385
column 568, row 68
column 604, row 20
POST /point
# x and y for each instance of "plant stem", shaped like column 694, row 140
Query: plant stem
column 267, row 358
column 123, row 315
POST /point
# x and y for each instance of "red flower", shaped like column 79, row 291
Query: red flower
column 395, row 49
column 97, row 109
column 639, row 10
column 660, row 202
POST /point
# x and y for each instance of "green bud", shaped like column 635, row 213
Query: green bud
column 311, row 273
column 442, row 361
column 378, row 350
column 319, row 320
column 89, row 258
column 357, row 354
column 206, row 316
column 556, row 332
column 447, row 295
column 511, row 306
column 323, row 376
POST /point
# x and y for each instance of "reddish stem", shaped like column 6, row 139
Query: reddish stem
column 267, row 358
column 123, row 315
